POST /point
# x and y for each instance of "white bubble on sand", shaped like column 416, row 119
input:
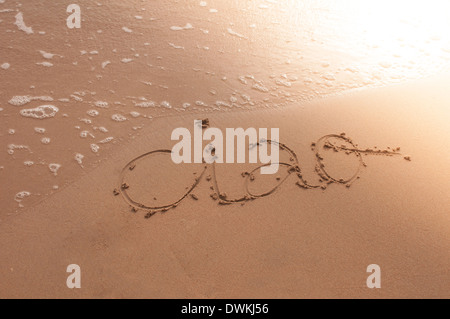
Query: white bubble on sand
column 260, row 87
column 85, row 134
column 127, row 30
column 104, row 64
column 79, row 158
column 21, row 195
column 28, row 163
column 176, row 46
column 11, row 131
column 39, row 130
column 45, row 140
column 200, row 103
column 13, row 147
column 101, row 104
column 106, row 140
column 188, row 26
column 40, row 112
column 146, row 104
column 76, row 98
column 166, row 104
column 93, row 113
column 95, row 148
column 126, row 60
column 46, row 64
column 54, row 168
column 46, row 55
column 236, row 34
column 223, row 103
column 135, row 114
column 102, row 129
column 5, row 66
column 21, row 24
column 20, row 100
column 1, row 109
column 118, row 118
column 87, row 121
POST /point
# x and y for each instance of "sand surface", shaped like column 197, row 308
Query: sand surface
column 87, row 113
column 294, row 243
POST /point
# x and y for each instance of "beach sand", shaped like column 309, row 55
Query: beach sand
column 295, row 243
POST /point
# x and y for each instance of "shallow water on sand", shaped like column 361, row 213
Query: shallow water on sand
column 69, row 96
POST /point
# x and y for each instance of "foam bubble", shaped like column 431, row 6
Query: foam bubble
column 200, row 103
column 46, row 64
column 76, row 98
column 127, row 30
column 20, row 100
column 85, row 134
column 166, row 104
column 46, row 55
column 95, row 148
column 5, row 66
column 21, row 24
column 40, row 130
column 45, row 140
column 106, row 140
column 118, row 118
column 54, row 167
column 260, row 87
column 101, row 104
column 11, row 131
column 234, row 33
column 21, row 195
column 222, row 103
column 79, row 158
column 135, row 114
column 13, row 147
column 126, row 60
column 28, row 163
column 188, row 26
column 146, row 104
column 93, row 113
column 40, row 112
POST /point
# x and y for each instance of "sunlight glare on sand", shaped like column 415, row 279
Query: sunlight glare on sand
column 383, row 32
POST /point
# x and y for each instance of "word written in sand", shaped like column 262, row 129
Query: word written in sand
column 332, row 143
column 213, row 152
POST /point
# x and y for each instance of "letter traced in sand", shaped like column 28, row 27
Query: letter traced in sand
column 325, row 178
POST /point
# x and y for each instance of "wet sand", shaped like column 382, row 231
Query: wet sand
column 295, row 243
